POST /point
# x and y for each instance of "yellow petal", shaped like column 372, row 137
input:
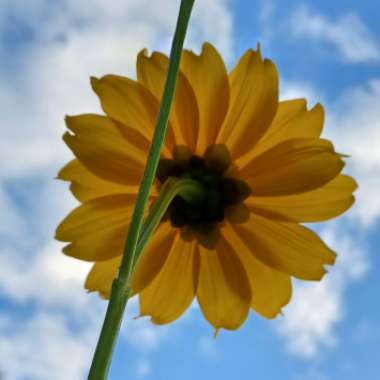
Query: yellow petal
column 173, row 289
column 324, row 203
column 153, row 257
column 271, row 290
column 184, row 119
column 103, row 245
column 129, row 103
column 208, row 78
column 103, row 272
column 134, row 137
column 224, row 293
column 86, row 185
column 97, row 229
column 292, row 167
column 100, row 147
column 286, row 247
column 253, row 103
column 292, row 120
column 101, row 276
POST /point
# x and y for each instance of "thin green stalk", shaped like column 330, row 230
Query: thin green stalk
column 187, row 188
column 120, row 287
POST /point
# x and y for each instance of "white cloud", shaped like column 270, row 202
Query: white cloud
column 44, row 346
column 309, row 320
column 266, row 11
column 15, row 226
column 49, row 277
column 53, row 285
column 293, row 90
column 72, row 42
column 65, row 43
column 47, row 289
column 348, row 35
column 354, row 125
column 32, row 265
column 316, row 308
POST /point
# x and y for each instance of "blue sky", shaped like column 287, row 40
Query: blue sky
column 326, row 51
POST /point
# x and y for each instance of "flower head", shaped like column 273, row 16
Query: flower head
column 264, row 168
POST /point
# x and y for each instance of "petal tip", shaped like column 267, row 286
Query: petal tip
column 143, row 53
column 207, row 47
column 66, row 137
column 58, row 235
column 94, row 83
column 319, row 107
column 69, row 121
column 333, row 258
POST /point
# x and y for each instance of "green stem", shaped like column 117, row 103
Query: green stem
column 188, row 189
column 120, row 287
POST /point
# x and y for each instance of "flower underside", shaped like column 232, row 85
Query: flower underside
column 223, row 194
column 263, row 170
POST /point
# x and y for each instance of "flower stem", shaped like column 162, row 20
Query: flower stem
column 120, row 287
column 191, row 191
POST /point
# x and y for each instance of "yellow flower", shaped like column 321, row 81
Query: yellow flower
column 263, row 163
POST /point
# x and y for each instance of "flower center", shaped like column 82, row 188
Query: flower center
column 222, row 192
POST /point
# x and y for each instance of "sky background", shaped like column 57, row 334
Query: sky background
column 326, row 51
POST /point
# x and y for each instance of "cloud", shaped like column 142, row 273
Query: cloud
column 42, row 298
column 15, row 226
column 43, row 344
column 354, row 125
column 348, row 35
column 66, row 42
column 49, row 278
column 52, row 49
column 294, row 90
column 48, row 291
column 32, row 267
column 266, row 12
column 309, row 320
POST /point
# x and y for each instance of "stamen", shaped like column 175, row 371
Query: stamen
column 222, row 198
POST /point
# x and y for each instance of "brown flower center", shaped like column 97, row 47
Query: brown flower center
column 222, row 193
